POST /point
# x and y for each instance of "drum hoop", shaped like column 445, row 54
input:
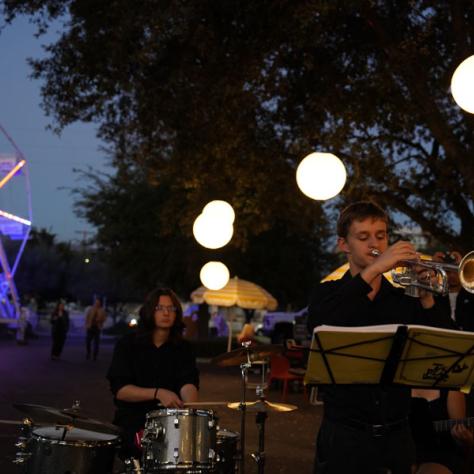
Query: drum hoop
column 184, row 464
column 80, row 443
column 180, row 411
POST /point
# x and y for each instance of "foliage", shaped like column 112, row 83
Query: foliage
column 223, row 98
column 151, row 248
column 51, row 270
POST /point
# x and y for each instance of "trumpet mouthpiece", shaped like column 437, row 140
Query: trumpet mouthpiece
column 375, row 252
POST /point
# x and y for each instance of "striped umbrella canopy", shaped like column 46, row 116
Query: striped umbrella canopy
column 242, row 293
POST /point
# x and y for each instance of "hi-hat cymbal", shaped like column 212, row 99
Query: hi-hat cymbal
column 68, row 416
column 264, row 406
column 239, row 356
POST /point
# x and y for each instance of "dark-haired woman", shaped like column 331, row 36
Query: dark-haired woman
column 59, row 329
column 152, row 367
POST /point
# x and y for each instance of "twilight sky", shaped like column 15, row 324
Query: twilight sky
column 50, row 158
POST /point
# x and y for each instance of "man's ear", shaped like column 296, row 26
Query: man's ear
column 342, row 245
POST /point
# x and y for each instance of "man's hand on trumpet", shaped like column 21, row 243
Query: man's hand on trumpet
column 401, row 250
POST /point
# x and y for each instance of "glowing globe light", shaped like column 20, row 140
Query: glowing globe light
column 462, row 85
column 220, row 210
column 214, row 275
column 211, row 233
column 321, row 176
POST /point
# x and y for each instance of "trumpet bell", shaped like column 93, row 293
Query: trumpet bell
column 466, row 272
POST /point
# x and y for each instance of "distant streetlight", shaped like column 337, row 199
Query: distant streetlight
column 86, row 260
column 220, row 210
column 212, row 233
column 214, row 275
column 462, row 85
column 321, row 176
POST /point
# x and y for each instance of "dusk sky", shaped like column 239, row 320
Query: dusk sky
column 51, row 159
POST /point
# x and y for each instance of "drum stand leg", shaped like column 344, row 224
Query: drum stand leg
column 259, row 456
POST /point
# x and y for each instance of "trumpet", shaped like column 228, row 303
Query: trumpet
column 406, row 274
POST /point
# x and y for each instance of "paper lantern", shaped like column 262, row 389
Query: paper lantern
column 214, row 275
column 462, row 85
column 321, row 176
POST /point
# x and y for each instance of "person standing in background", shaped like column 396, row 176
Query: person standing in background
column 59, row 329
column 460, row 301
column 95, row 319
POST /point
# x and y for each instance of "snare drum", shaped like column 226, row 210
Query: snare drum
column 179, row 440
column 226, row 451
column 80, row 452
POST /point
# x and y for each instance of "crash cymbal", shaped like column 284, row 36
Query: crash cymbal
column 239, row 356
column 44, row 414
column 264, row 406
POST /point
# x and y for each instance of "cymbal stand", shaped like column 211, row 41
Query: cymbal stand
column 244, row 367
column 260, row 418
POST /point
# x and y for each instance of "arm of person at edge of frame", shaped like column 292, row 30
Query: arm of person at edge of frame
column 134, row 393
column 456, row 411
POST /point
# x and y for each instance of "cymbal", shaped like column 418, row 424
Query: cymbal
column 44, row 414
column 85, row 422
column 68, row 416
column 239, row 356
column 264, row 406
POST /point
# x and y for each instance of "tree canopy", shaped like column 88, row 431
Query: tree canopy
column 222, row 99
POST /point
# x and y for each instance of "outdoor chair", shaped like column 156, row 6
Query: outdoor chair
column 280, row 370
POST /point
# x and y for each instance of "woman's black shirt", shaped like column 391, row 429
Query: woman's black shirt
column 138, row 361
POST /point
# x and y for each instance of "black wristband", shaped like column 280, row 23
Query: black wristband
column 156, row 392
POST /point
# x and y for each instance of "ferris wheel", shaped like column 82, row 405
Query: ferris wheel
column 15, row 221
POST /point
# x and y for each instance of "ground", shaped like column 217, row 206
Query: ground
column 29, row 376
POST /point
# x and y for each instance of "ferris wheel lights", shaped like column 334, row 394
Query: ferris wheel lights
column 12, row 172
column 12, row 217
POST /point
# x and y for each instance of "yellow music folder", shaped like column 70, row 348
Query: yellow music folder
column 418, row 356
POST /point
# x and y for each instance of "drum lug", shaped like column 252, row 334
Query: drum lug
column 176, row 423
column 212, row 454
column 21, row 457
column 211, row 423
column 21, row 443
column 176, row 453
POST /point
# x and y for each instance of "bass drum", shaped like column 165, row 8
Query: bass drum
column 179, row 440
column 226, row 452
column 80, row 452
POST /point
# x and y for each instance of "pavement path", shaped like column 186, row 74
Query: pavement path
column 27, row 375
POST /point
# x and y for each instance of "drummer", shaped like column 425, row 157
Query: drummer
column 153, row 366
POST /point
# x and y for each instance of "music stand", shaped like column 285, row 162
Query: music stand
column 417, row 356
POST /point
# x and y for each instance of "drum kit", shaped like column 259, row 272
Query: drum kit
column 187, row 440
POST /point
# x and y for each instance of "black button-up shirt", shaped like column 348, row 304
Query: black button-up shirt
column 345, row 302
column 137, row 361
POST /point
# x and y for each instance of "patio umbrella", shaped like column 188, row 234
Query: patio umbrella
column 237, row 292
column 242, row 293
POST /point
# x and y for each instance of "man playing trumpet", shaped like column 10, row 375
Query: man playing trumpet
column 365, row 428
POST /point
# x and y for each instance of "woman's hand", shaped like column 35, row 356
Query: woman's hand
column 168, row 398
